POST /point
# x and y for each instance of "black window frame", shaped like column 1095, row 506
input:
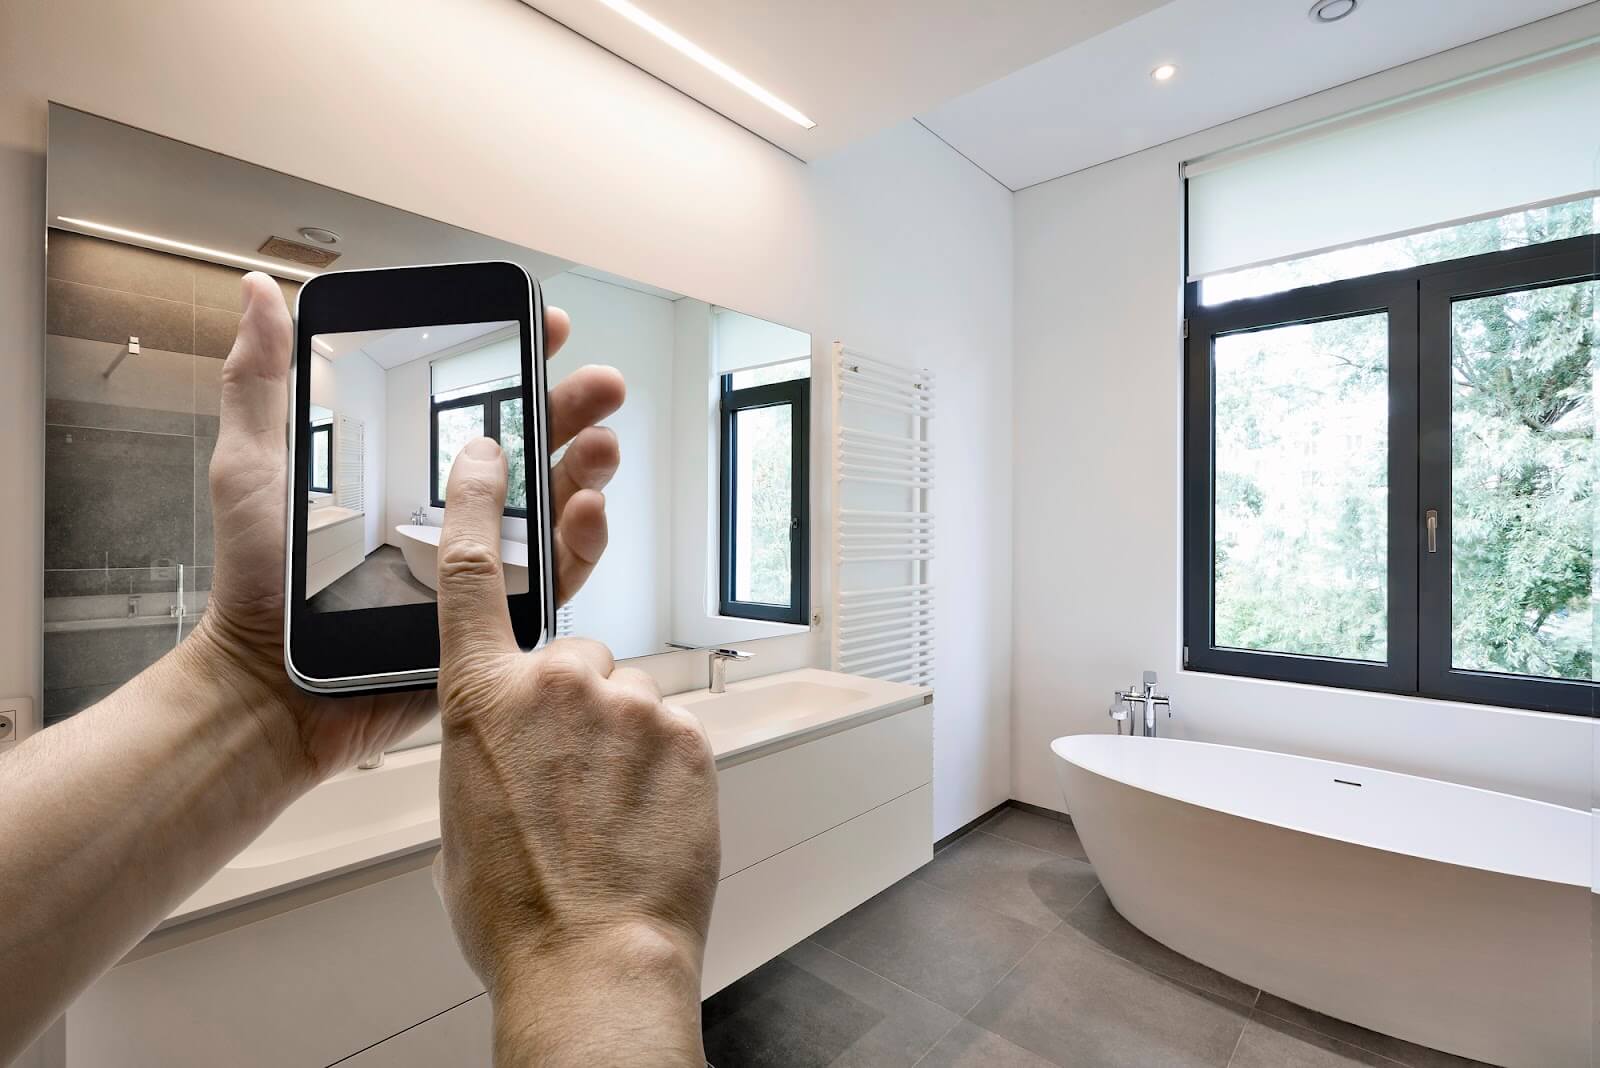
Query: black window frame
column 489, row 403
column 1418, row 302
column 796, row 393
column 325, row 429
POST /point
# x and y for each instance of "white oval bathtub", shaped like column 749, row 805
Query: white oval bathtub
column 420, row 546
column 1449, row 916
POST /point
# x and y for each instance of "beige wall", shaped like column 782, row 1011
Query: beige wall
column 896, row 244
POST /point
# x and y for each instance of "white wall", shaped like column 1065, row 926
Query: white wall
column 627, row 602
column 897, row 245
column 1097, row 407
column 353, row 386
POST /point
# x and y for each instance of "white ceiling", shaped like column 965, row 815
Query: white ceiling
column 391, row 348
column 852, row 66
column 110, row 173
column 1096, row 100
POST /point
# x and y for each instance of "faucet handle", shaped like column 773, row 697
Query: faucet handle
column 731, row 654
column 1149, row 679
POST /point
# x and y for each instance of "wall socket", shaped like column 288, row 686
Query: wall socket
column 13, row 711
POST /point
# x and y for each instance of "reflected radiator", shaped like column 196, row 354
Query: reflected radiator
column 883, row 463
column 349, row 474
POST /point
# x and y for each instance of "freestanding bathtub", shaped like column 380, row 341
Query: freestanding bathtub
column 420, row 546
column 1449, row 916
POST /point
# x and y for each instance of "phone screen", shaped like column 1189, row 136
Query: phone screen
column 389, row 411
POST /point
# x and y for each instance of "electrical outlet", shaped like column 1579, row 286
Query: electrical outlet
column 13, row 710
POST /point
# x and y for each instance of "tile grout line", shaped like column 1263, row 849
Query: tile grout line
column 1240, row 1040
column 1336, row 1038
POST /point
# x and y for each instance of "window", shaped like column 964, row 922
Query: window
column 493, row 409
column 322, row 458
column 763, row 545
column 1389, row 479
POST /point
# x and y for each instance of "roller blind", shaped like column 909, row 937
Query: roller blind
column 1513, row 138
column 500, row 358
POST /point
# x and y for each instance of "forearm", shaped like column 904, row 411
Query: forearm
column 115, row 816
column 632, row 998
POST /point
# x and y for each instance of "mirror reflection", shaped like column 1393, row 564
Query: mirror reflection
column 708, row 514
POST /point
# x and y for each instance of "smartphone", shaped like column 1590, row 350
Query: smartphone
column 395, row 370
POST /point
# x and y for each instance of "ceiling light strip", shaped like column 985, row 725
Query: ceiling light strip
column 682, row 44
column 184, row 246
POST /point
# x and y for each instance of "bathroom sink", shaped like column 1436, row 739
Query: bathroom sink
column 762, row 713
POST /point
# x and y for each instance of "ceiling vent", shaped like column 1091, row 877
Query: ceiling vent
column 283, row 249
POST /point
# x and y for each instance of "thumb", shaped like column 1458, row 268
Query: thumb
column 473, row 618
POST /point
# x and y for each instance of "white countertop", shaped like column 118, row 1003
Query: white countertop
column 359, row 818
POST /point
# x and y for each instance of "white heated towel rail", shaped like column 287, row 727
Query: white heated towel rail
column 883, row 464
column 349, row 475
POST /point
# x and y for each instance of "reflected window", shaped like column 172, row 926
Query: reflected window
column 763, row 541
column 322, row 458
column 494, row 410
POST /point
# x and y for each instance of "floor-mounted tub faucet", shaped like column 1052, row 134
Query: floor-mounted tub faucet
column 1148, row 701
column 719, row 667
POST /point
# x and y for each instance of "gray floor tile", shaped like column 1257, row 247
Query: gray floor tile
column 1042, row 832
column 1018, row 880
column 1396, row 1049
column 113, row 265
column 813, row 1007
column 1074, row 1003
column 931, row 942
column 117, row 498
column 381, row 580
column 1100, row 922
column 970, row 1046
column 76, row 310
column 1269, row 1042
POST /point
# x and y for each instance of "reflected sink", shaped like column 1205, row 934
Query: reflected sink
column 778, row 709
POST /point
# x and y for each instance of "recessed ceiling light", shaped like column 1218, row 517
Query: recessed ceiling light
column 1331, row 10
column 320, row 234
column 710, row 62
column 1164, row 72
column 184, row 246
column 424, row 337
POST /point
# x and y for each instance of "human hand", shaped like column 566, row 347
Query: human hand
column 238, row 645
column 579, row 820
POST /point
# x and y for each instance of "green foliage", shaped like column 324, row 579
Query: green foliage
column 1301, row 487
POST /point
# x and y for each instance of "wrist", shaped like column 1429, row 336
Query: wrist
column 212, row 679
column 627, row 994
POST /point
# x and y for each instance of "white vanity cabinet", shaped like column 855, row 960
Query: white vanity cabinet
column 365, row 966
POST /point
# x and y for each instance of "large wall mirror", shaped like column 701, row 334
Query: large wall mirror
column 147, row 240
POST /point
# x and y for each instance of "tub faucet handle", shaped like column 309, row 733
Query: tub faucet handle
column 1149, row 680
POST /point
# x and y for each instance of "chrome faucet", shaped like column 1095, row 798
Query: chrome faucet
column 419, row 518
column 1148, row 701
column 719, row 667
column 372, row 763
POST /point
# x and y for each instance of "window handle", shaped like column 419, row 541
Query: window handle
column 1433, row 530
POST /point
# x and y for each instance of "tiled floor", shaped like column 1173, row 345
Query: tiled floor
column 1004, row 952
column 381, row 580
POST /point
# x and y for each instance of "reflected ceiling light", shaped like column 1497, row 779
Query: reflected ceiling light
column 184, row 246
column 710, row 62
column 424, row 337
column 1164, row 72
column 320, row 234
column 1331, row 10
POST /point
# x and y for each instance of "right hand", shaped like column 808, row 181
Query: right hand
column 579, row 820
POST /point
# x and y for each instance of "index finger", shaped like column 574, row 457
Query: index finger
column 473, row 617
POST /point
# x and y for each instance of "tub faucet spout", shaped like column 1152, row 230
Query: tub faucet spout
column 1148, row 701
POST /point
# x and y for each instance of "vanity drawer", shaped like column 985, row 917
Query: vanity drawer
column 774, row 802
column 303, row 987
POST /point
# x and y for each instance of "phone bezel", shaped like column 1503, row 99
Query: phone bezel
column 397, row 647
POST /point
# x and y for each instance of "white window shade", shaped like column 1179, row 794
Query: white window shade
column 743, row 341
column 500, row 357
column 1510, row 139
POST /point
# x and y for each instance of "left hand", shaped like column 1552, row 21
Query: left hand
column 238, row 644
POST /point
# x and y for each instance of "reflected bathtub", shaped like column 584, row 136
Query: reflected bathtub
column 420, row 546
column 1449, row 916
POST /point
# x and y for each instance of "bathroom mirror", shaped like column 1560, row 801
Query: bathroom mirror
column 147, row 240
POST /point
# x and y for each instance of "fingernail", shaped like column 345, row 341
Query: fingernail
column 482, row 449
column 248, row 294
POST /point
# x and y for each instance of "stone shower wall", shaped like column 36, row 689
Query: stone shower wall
column 127, row 509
